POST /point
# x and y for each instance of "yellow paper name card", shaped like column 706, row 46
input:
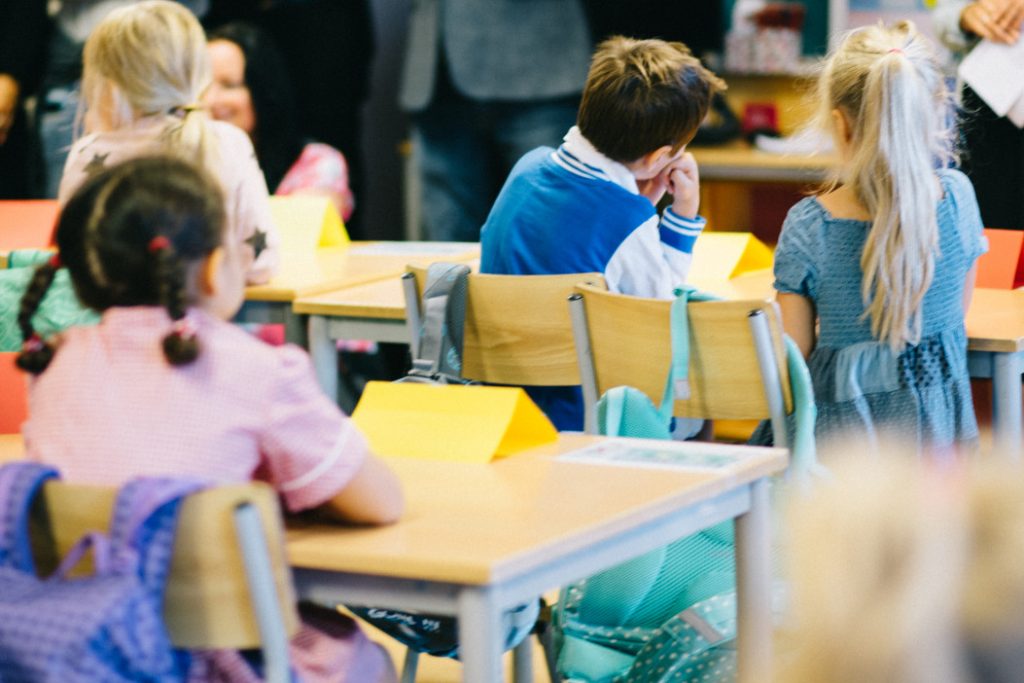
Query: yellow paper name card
column 450, row 422
column 724, row 255
column 307, row 222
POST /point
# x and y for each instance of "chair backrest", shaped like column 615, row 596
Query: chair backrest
column 517, row 329
column 13, row 395
column 630, row 344
column 207, row 603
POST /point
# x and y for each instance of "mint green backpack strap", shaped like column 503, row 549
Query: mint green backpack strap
column 678, row 384
column 804, row 464
column 694, row 645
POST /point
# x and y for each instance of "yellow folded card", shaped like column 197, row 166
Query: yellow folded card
column 724, row 255
column 307, row 222
column 450, row 422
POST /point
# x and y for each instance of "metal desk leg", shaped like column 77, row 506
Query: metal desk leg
column 753, row 587
column 1006, row 403
column 522, row 661
column 324, row 353
column 295, row 328
column 480, row 636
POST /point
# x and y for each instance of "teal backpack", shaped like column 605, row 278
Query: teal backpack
column 668, row 615
column 59, row 310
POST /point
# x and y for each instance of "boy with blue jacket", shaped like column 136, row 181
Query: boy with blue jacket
column 589, row 206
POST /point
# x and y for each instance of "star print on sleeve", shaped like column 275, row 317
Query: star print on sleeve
column 97, row 164
column 258, row 242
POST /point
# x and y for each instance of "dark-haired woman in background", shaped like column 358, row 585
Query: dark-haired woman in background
column 251, row 90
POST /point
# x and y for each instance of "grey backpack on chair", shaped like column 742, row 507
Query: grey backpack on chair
column 436, row 321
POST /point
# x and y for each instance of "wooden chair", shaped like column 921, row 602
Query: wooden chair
column 736, row 347
column 229, row 585
column 517, row 332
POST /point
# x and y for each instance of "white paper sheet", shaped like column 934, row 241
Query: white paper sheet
column 996, row 73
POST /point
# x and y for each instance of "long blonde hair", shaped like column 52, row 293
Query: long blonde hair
column 889, row 86
column 148, row 59
column 907, row 570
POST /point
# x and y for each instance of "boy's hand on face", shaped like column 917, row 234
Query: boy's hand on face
column 654, row 188
column 684, row 184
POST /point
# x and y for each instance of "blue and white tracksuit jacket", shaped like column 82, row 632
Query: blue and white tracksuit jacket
column 574, row 210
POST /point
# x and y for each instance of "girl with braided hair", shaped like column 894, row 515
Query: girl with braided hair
column 164, row 385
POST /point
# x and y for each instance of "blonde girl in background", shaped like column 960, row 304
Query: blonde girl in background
column 874, row 274
column 906, row 571
column 145, row 69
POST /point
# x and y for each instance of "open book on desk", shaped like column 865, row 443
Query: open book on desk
column 653, row 453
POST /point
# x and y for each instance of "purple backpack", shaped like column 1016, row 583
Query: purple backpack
column 104, row 627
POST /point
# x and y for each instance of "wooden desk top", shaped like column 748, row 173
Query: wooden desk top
column 383, row 299
column 380, row 300
column 322, row 270
column 471, row 523
column 742, row 162
column 995, row 321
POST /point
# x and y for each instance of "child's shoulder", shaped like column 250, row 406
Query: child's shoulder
column 232, row 142
column 808, row 211
column 956, row 181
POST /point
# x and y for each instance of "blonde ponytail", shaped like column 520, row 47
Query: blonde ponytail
column 888, row 85
column 149, row 59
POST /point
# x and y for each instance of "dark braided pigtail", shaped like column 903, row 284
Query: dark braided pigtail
column 181, row 346
column 35, row 354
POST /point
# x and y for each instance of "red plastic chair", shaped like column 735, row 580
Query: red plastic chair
column 13, row 395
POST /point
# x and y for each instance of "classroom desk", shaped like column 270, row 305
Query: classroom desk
column 994, row 323
column 740, row 161
column 313, row 272
column 477, row 540
column 376, row 311
column 995, row 349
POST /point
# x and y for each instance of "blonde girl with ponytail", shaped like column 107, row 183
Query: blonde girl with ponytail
column 874, row 274
column 145, row 69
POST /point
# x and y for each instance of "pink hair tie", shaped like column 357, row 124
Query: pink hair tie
column 896, row 50
column 157, row 243
column 184, row 329
column 33, row 344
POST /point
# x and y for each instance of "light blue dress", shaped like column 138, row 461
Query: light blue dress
column 860, row 385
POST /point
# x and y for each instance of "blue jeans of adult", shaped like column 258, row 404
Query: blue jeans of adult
column 466, row 150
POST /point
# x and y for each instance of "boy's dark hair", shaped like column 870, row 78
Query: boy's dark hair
column 128, row 237
column 644, row 94
column 276, row 137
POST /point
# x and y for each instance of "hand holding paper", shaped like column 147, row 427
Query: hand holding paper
column 992, row 70
column 994, row 20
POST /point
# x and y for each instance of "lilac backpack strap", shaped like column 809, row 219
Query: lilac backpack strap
column 145, row 516
column 19, row 483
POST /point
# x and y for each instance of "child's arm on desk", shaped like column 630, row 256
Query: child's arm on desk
column 373, row 496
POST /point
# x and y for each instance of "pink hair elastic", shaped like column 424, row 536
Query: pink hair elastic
column 897, row 50
column 157, row 243
column 184, row 329
column 33, row 343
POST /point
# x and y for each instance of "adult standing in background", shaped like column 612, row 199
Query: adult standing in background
column 993, row 146
column 328, row 47
column 22, row 29
column 486, row 82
